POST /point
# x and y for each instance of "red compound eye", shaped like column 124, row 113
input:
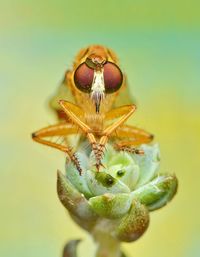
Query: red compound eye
column 112, row 77
column 83, row 78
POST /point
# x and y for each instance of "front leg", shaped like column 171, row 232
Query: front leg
column 75, row 114
column 124, row 112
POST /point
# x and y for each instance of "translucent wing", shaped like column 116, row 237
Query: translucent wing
column 62, row 93
column 125, row 97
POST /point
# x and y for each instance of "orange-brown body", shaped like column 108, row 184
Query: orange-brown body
column 93, row 87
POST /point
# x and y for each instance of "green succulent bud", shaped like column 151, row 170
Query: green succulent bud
column 115, row 202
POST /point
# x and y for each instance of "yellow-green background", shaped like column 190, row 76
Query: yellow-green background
column 158, row 43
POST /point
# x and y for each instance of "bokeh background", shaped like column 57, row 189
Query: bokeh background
column 158, row 43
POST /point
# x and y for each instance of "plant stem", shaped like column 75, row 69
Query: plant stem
column 108, row 246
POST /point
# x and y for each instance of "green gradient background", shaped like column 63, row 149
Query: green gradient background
column 158, row 43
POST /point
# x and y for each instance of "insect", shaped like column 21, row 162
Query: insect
column 95, row 86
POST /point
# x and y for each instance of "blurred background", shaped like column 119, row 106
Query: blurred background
column 158, row 43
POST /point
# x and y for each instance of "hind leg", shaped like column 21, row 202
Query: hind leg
column 136, row 137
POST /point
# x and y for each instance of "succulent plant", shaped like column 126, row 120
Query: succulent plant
column 113, row 204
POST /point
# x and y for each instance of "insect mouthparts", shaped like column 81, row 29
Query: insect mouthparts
column 98, row 88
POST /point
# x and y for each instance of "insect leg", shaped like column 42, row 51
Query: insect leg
column 134, row 133
column 136, row 137
column 125, row 112
column 75, row 117
column 118, row 112
column 62, row 129
column 75, row 113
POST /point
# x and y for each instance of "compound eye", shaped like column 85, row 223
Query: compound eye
column 112, row 77
column 83, row 78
